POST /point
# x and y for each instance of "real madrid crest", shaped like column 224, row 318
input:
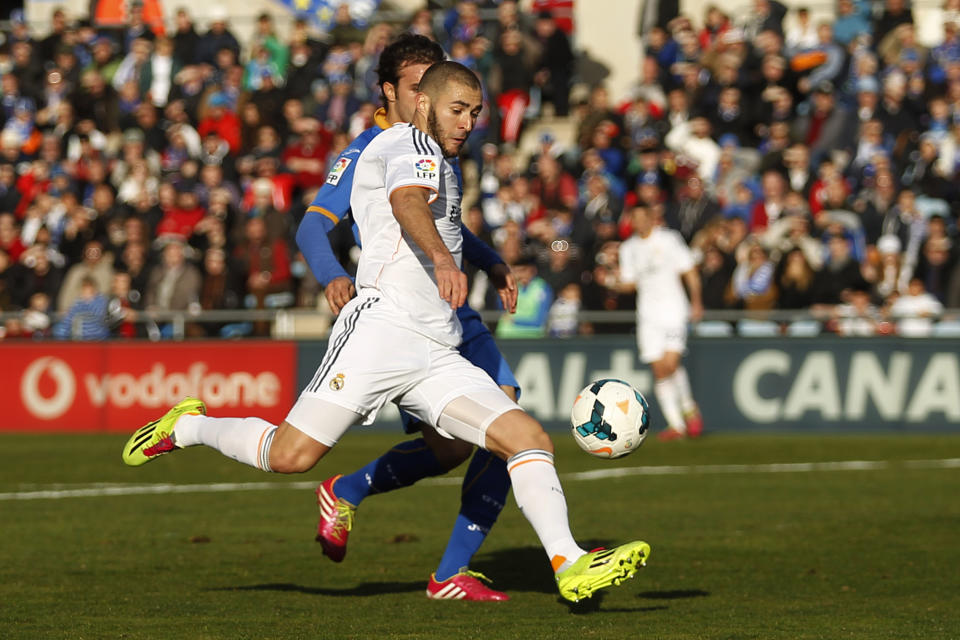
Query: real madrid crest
column 337, row 382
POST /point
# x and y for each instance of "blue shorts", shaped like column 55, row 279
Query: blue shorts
column 481, row 350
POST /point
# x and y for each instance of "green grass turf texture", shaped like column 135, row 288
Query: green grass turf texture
column 824, row 554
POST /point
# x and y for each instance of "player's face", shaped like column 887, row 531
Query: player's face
column 642, row 221
column 405, row 92
column 452, row 116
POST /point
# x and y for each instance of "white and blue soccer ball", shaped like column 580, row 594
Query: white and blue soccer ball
column 609, row 418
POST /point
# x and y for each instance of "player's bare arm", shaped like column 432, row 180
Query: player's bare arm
column 691, row 278
column 412, row 211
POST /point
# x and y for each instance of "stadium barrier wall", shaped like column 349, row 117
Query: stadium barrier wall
column 825, row 384
column 119, row 386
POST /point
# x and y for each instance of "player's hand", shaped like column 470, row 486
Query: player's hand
column 696, row 311
column 339, row 292
column 506, row 285
column 451, row 282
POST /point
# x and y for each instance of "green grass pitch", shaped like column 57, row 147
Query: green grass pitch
column 737, row 552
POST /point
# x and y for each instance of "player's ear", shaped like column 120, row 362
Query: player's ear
column 423, row 104
column 389, row 92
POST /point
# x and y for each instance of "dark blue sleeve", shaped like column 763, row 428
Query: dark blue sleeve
column 477, row 253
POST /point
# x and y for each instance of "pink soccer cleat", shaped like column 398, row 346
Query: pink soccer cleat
column 336, row 520
column 465, row 585
column 694, row 421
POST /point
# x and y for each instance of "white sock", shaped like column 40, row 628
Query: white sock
column 537, row 491
column 246, row 440
column 682, row 384
column 667, row 396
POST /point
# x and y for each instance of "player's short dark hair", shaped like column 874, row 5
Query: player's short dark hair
column 408, row 48
column 445, row 73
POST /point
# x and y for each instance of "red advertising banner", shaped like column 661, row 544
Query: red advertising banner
column 50, row 386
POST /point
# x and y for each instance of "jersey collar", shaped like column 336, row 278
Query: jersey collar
column 380, row 118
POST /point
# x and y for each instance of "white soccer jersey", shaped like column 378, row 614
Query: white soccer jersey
column 391, row 264
column 655, row 264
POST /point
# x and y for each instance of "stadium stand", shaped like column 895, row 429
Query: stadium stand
column 812, row 168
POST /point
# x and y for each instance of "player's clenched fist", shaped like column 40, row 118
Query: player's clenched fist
column 339, row 292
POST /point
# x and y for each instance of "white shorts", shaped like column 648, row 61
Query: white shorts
column 654, row 339
column 371, row 360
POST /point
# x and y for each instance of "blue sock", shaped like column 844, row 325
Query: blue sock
column 401, row 466
column 485, row 489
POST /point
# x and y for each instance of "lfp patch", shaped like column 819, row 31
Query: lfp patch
column 334, row 176
column 426, row 168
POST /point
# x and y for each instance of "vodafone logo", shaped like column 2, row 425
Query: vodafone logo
column 65, row 389
column 157, row 387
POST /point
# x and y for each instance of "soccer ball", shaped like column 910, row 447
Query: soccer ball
column 609, row 418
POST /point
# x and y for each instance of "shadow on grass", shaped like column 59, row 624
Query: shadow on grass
column 365, row 589
column 679, row 594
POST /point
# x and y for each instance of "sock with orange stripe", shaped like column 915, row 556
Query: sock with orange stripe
column 537, row 490
column 246, row 440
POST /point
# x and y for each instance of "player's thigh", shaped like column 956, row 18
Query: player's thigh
column 450, row 378
column 655, row 339
column 369, row 360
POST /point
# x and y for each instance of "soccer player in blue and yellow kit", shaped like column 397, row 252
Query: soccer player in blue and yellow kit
column 486, row 483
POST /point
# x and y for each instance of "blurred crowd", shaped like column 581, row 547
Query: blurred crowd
column 810, row 166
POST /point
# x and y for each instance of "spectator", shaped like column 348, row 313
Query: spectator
column 752, row 285
column 795, row 281
column 534, row 298
column 86, row 318
column 840, row 274
column 217, row 37
column 915, row 310
column 692, row 210
column 858, row 316
column 94, row 265
column 511, row 81
column 563, row 320
column 174, row 283
column 555, row 67
column 716, row 270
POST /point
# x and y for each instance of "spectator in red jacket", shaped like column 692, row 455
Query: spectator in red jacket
column 221, row 120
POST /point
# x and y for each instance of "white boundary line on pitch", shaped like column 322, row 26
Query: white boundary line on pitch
column 106, row 489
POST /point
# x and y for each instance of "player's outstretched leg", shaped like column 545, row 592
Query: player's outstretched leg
column 529, row 453
column 485, row 488
column 157, row 438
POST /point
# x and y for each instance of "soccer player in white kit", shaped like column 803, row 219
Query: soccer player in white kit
column 657, row 262
column 396, row 341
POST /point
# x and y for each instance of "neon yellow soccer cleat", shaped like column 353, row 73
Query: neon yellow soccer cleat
column 156, row 438
column 602, row 568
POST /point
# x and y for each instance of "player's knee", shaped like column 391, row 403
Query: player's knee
column 514, row 432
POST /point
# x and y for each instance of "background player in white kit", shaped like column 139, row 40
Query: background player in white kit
column 396, row 341
column 657, row 262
